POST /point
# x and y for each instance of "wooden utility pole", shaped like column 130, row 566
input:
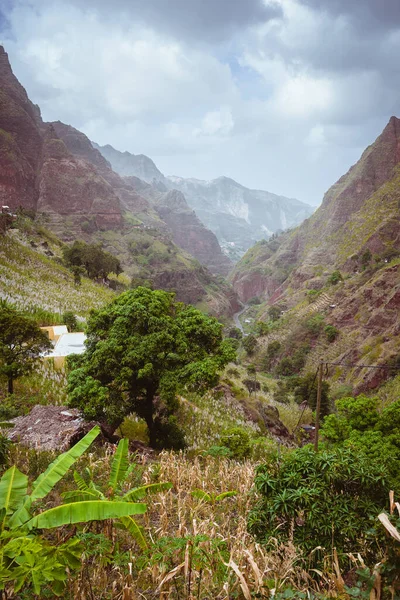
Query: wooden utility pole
column 318, row 408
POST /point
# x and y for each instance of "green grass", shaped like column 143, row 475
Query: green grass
column 30, row 279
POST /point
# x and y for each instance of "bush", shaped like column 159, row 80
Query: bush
column 286, row 367
column 237, row 440
column 305, row 390
column 250, row 343
column 335, row 278
column 315, row 324
column 358, row 425
column 331, row 333
column 70, row 320
column 327, row 499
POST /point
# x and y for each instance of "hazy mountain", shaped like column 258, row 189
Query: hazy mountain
column 237, row 215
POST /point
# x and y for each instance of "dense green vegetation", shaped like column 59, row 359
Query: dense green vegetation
column 142, row 346
column 160, row 372
column 21, row 343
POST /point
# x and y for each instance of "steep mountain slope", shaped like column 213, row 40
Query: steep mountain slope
column 341, row 265
column 240, row 216
column 237, row 215
column 37, row 171
column 53, row 169
column 126, row 164
column 188, row 232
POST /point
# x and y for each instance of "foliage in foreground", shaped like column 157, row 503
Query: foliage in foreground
column 141, row 350
column 360, row 426
column 21, row 343
column 27, row 558
column 326, row 500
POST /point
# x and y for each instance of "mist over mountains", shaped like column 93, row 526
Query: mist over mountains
column 238, row 216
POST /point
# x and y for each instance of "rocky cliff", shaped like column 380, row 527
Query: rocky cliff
column 340, row 268
column 54, row 170
column 188, row 232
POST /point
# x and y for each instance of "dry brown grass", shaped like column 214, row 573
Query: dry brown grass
column 198, row 549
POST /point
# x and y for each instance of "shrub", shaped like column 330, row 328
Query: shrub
column 359, row 426
column 331, row 333
column 274, row 313
column 315, row 324
column 335, row 277
column 286, row 367
column 70, row 320
column 327, row 499
column 250, row 343
column 305, row 390
column 237, row 440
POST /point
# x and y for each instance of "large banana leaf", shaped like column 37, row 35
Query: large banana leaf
column 82, row 512
column 140, row 492
column 80, row 496
column 134, row 529
column 21, row 515
column 13, row 490
column 57, row 469
column 119, row 465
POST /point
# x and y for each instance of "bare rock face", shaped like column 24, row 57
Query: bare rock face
column 189, row 233
column 37, row 169
column 20, row 141
column 359, row 213
column 50, row 428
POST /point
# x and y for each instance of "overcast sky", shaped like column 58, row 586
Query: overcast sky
column 281, row 95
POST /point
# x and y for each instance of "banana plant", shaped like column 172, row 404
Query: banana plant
column 211, row 498
column 25, row 557
column 16, row 503
column 120, row 470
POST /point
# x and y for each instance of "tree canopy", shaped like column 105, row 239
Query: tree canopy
column 92, row 258
column 21, row 343
column 142, row 349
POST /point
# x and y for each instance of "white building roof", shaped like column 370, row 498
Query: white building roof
column 69, row 343
column 59, row 329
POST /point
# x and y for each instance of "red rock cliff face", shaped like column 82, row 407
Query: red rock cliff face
column 359, row 212
column 375, row 167
column 71, row 187
column 20, row 141
column 190, row 234
column 38, row 171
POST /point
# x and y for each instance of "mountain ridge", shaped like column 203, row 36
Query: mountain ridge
column 53, row 170
column 237, row 215
column 348, row 252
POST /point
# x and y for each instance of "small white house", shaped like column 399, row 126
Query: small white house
column 69, row 343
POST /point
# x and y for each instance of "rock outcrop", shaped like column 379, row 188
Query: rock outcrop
column 341, row 265
column 50, row 428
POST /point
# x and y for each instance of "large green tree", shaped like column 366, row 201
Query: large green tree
column 142, row 350
column 21, row 343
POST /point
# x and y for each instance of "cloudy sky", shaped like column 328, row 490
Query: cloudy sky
column 282, row 95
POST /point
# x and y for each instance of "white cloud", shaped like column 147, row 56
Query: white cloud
column 285, row 104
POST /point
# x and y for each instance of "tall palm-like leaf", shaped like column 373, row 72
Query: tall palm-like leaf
column 82, row 512
column 140, row 492
column 57, row 469
column 13, row 490
column 119, row 465
column 135, row 530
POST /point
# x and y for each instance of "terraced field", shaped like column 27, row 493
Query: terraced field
column 30, row 279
